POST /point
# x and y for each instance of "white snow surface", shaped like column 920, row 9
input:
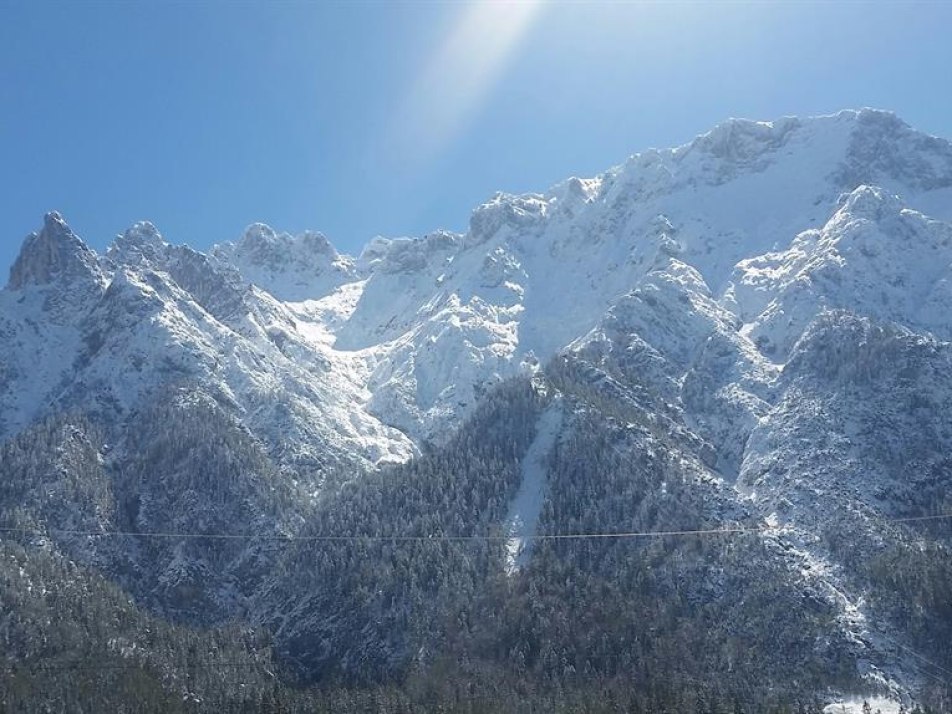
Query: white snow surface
column 854, row 705
column 526, row 507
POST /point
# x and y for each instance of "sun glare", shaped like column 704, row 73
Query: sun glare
column 459, row 74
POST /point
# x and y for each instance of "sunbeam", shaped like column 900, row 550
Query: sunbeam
column 459, row 74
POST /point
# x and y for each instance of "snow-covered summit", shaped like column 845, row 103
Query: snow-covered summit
column 140, row 243
column 290, row 267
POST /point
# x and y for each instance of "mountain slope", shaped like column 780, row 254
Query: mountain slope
column 749, row 330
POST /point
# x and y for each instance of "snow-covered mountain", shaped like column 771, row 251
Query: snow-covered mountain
column 412, row 331
column 769, row 304
column 107, row 331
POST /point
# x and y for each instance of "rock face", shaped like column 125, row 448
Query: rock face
column 54, row 254
column 752, row 327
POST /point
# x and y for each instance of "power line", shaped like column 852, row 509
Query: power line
column 911, row 519
column 411, row 538
column 923, row 659
column 436, row 537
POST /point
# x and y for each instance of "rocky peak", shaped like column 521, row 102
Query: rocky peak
column 258, row 237
column 314, row 243
column 141, row 243
column 742, row 140
column 54, row 254
column 504, row 210
column 262, row 245
column 884, row 149
column 872, row 203
column 290, row 267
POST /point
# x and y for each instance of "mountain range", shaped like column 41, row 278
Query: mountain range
column 362, row 469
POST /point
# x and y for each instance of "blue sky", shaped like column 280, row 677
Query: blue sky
column 389, row 118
